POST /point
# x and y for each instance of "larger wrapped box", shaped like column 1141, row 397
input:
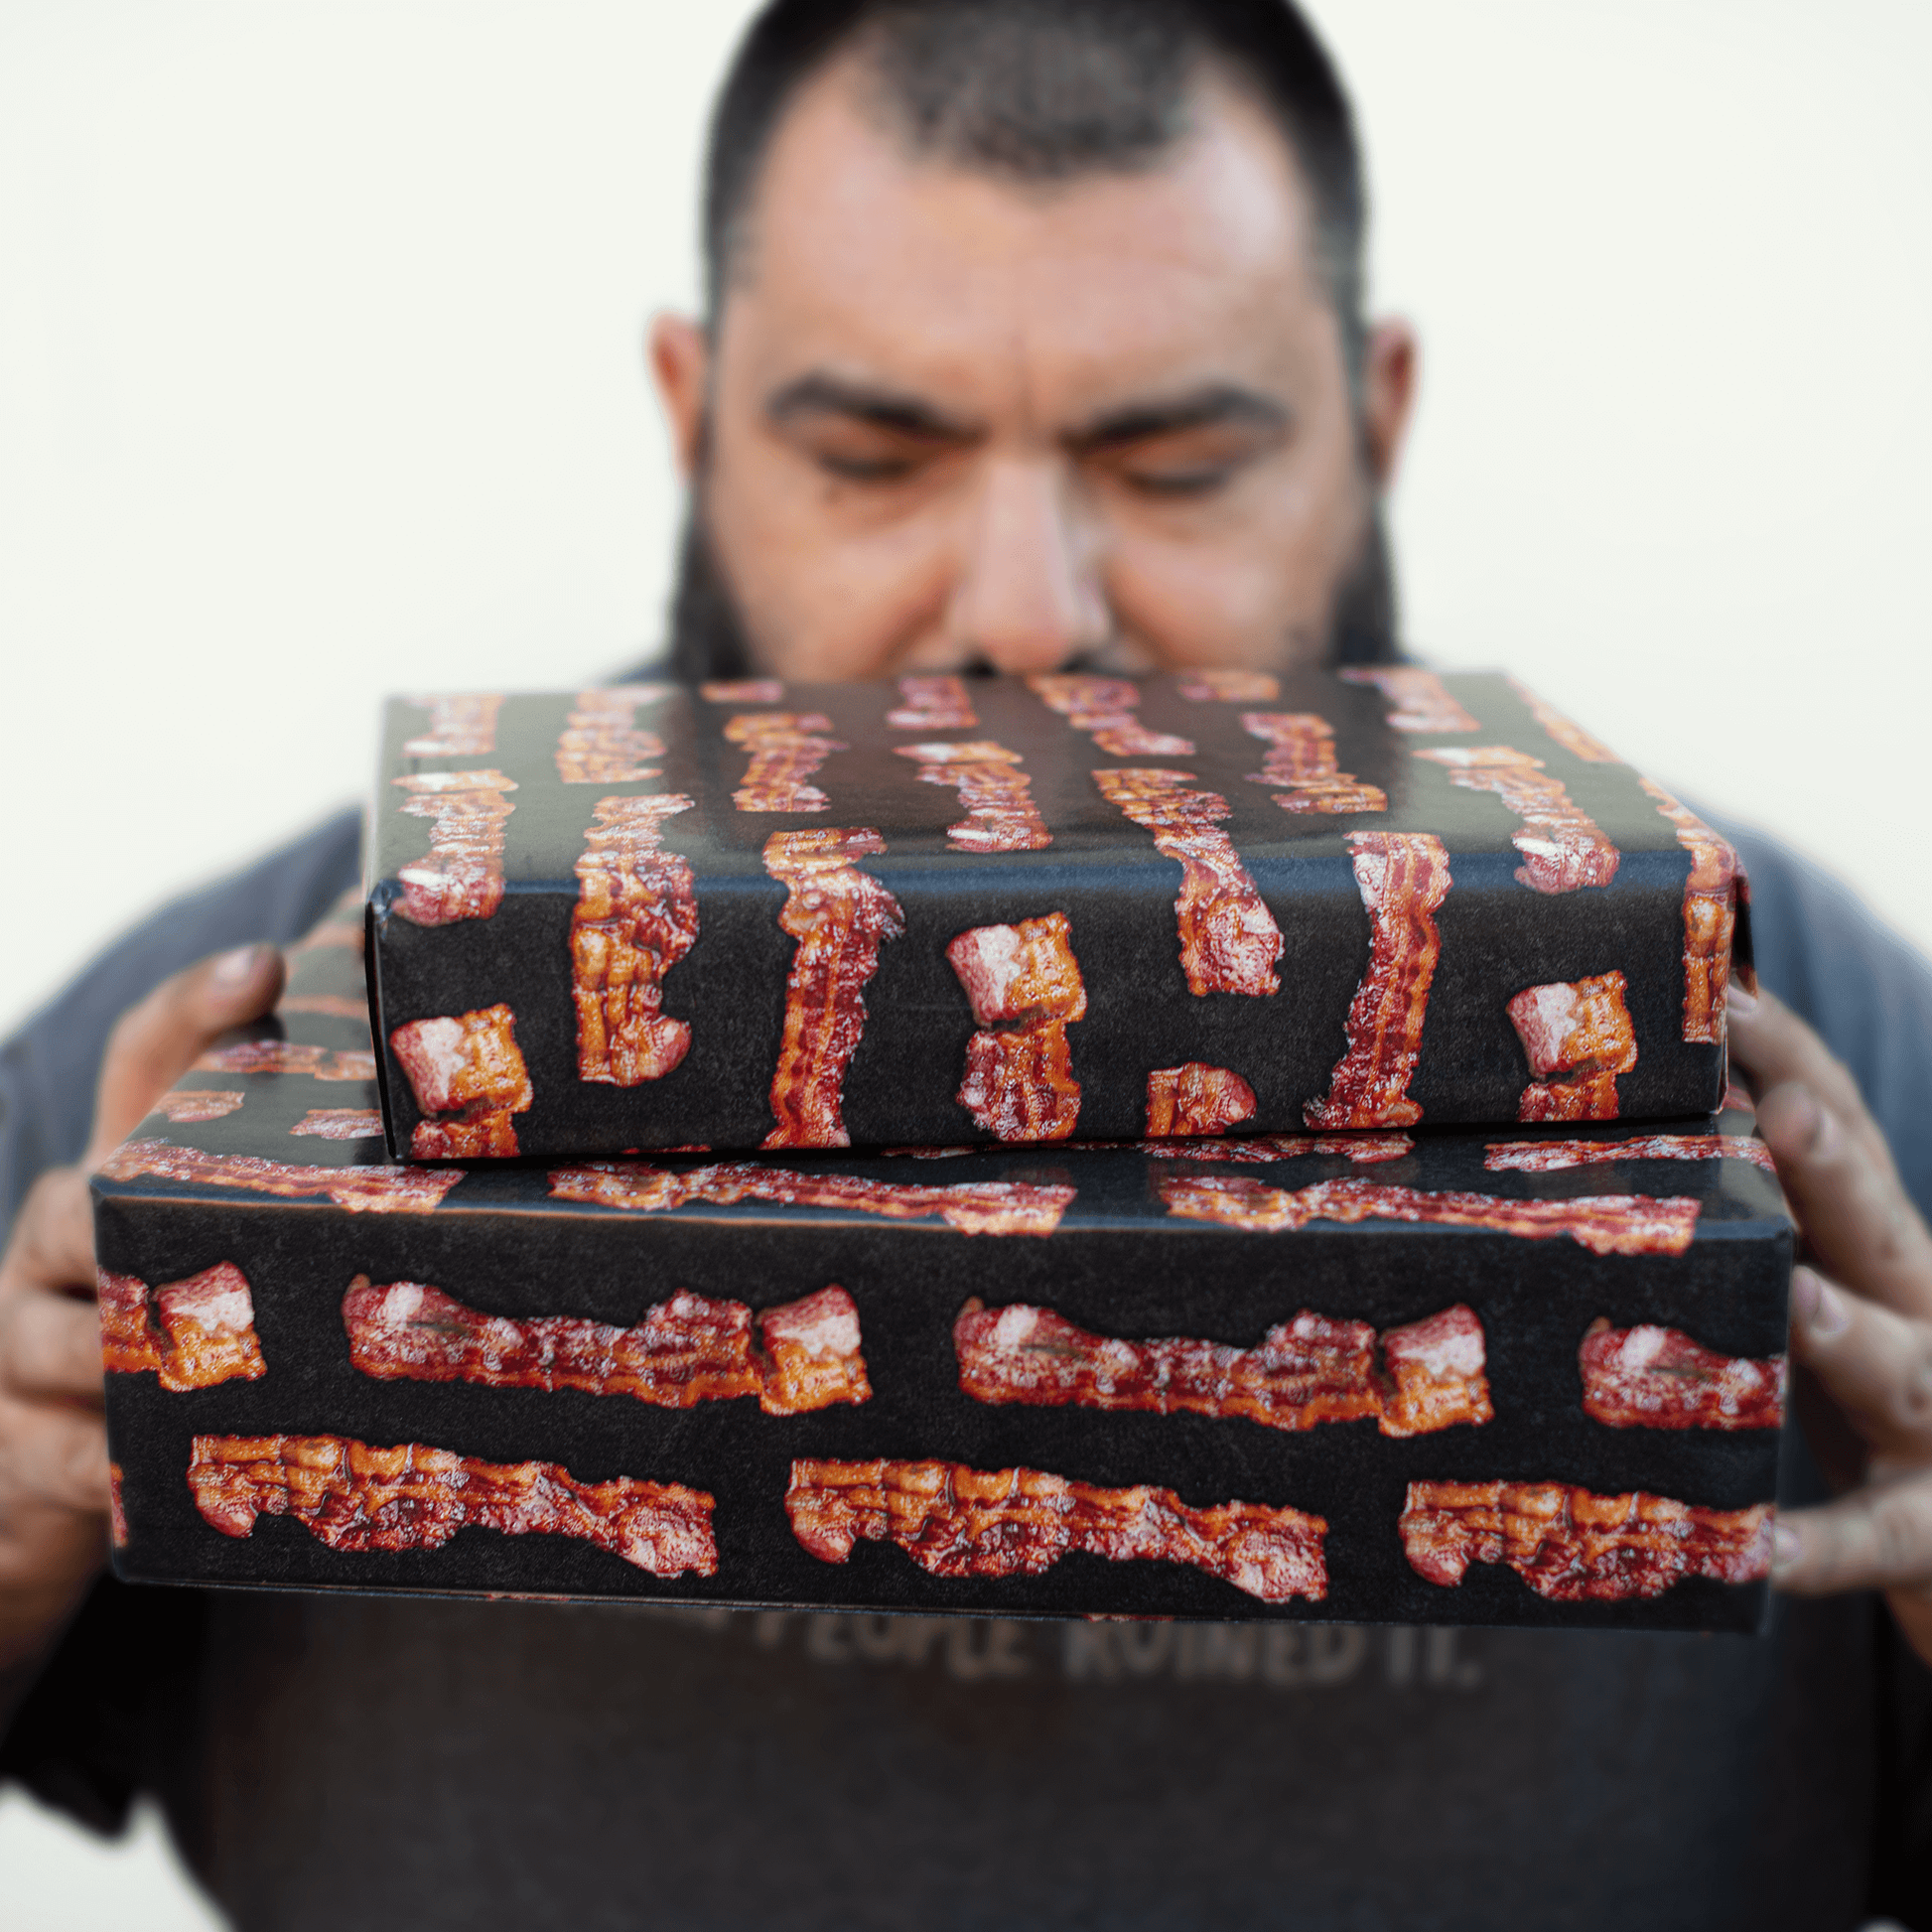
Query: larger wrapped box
column 947, row 911
column 1529, row 1376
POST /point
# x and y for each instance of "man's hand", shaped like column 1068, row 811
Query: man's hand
column 1861, row 1317
column 53, row 1443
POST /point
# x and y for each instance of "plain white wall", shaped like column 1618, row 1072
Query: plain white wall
column 320, row 377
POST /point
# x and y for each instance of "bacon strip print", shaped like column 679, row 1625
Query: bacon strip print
column 1660, row 1378
column 1103, row 708
column 1550, row 1157
column 460, row 726
column 117, row 1507
column 187, row 1106
column 1001, row 815
column 1562, row 847
column 462, row 875
column 600, row 743
column 684, row 1351
column 1025, row 982
column 1710, row 896
column 340, row 1124
column 1302, row 759
column 1578, row 1037
column 1403, row 878
column 742, row 690
column 973, row 1207
column 362, row 1191
column 356, row 1497
column 1196, row 1099
column 1229, row 941
column 1365, row 1150
column 933, row 704
column 332, row 1006
column 636, row 917
column 287, row 1057
column 1306, row 1372
column 1421, row 700
column 840, row 918
column 1605, row 1224
column 1567, row 733
column 191, row 1333
column 955, row 1521
column 785, row 749
column 467, row 1068
column 1573, row 1546
column 1229, row 687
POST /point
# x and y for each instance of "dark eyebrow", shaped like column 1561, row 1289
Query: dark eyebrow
column 1209, row 409
column 820, row 394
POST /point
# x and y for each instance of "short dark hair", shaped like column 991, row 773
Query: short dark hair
column 1044, row 90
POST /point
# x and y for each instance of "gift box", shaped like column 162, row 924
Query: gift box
column 941, row 910
column 1531, row 1375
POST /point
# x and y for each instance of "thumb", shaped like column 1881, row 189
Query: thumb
column 154, row 1043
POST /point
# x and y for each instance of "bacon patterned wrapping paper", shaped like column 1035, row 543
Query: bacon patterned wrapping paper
column 1532, row 1374
column 730, row 915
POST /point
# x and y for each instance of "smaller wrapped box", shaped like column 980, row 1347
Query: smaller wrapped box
column 761, row 916
column 1533, row 1376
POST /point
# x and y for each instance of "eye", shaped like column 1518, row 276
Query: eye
column 868, row 455
column 864, row 469
column 1188, row 460
column 1184, row 464
column 1177, row 479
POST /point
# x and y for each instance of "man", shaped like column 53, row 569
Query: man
column 1035, row 337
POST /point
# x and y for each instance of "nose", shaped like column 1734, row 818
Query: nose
column 1027, row 599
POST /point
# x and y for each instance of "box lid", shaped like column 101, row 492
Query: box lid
column 941, row 910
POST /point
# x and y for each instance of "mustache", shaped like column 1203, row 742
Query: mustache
column 708, row 639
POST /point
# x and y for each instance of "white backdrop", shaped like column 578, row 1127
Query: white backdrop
column 320, row 376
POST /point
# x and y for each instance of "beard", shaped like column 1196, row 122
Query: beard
column 708, row 639
column 1366, row 617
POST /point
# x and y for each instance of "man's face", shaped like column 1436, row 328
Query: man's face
column 948, row 419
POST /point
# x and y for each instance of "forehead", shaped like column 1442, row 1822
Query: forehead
column 862, row 254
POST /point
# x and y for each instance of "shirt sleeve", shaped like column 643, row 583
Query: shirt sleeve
column 111, row 1712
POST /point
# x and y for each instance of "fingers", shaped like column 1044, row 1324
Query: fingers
column 1857, row 1222
column 52, row 1243
column 1833, row 1160
column 1874, row 1364
column 156, row 1041
column 54, row 1493
column 1877, row 1538
column 1771, row 1045
column 53, row 1470
column 51, row 1457
column 50, row 1346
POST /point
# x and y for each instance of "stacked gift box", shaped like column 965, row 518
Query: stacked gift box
column 1220, row 1145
